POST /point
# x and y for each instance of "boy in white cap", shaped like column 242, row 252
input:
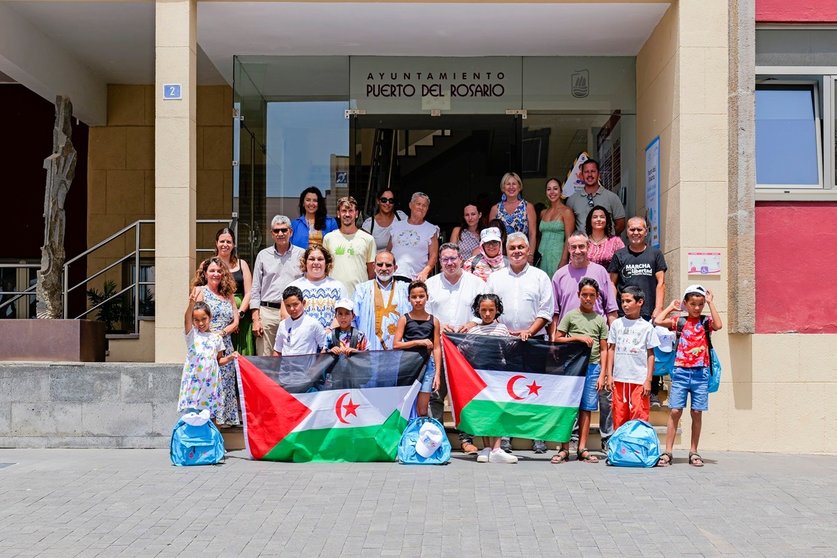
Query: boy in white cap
column 692, row 364
column 345, row 339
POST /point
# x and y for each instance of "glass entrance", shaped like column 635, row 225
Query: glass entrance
column 455, row 159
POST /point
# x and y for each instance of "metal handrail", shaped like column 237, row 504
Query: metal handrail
column 135, row 283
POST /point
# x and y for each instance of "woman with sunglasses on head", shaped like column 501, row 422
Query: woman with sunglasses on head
column 313, row 223
column 379, row 225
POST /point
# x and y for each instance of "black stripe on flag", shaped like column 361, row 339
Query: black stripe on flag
column 510, row 354
column 320, row 372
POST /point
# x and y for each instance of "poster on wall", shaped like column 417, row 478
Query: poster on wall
column 652, row 190
column 704, row 263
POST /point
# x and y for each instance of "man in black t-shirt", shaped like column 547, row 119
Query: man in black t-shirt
column 642, row 266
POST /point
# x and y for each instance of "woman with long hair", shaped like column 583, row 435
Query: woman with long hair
column 467, row 235
column 603, row 241
column 313, row 223
column 217, row 290
column 379, row 224
column 225, row 250
column 557, row 223
column 517, row 214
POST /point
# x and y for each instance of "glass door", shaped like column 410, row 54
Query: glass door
column 455, row 159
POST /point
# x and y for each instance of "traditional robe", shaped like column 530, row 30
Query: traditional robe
column 393, row 304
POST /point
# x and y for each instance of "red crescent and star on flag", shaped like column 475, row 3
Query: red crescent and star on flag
column 534, row 388
column 342, row 411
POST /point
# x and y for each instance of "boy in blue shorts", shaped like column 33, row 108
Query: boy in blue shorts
column 692, row 363
column 584, row 325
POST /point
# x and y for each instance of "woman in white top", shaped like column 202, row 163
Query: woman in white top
column 415, row 242
column 320, row 292
column 379, row 225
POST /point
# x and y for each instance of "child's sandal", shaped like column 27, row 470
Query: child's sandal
column 664, row 460
column 695, row 460
column 562, row 456
column 583, row 454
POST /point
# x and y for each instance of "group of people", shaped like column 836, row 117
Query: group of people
column 372, row 288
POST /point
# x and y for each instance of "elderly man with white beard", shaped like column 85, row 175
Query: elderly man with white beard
column 379, row 303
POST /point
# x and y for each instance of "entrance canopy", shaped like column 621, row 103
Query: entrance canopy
column 77, row 48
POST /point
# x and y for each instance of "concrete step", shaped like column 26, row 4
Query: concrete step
column 233, row 438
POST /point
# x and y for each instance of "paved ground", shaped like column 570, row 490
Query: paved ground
column 133, row 503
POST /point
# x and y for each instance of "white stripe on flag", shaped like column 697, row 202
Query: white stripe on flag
column 537, row 389
column 374, row 406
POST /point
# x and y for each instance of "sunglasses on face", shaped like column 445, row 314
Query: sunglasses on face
column 449, row 260
column 383, row 264
column 386, row 200
column 283, row 230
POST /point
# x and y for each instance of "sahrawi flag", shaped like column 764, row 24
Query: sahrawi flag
column 328, row 408
column 501, row 386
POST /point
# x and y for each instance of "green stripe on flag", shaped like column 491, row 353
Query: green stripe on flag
column 542, row 422
column 366, row 443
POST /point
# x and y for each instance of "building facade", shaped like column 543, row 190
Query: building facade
column 210, row 110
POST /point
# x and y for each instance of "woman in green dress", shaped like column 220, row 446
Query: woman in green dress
column 557, row 222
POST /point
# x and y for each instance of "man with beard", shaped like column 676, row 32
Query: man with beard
column 353, row 250
column 379, row 303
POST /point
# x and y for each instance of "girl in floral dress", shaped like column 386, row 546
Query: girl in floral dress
column 216, row 287
column 200, row 386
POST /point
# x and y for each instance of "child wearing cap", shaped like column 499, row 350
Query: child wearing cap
column 690, row 375
column 345, row 339
column 299, row 333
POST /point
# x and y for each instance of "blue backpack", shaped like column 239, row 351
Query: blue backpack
column 634, row 444
column 407, row 454
column 196, row 445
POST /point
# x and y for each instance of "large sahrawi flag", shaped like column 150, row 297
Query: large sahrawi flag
column 501, row 386
column 328, row 408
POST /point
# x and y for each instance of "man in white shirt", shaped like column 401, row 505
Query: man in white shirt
column 528, row 302
column 352, row 249
column 274, row 270
column 526, row 291
column 450, row 296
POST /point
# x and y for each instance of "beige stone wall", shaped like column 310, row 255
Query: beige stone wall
column 120, row 187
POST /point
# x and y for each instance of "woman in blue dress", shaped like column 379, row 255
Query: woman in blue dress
column 516, row 213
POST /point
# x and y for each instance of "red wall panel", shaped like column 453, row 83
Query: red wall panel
column 796, row 267
column 796, row 11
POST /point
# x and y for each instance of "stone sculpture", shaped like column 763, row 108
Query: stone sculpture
column 61, row 168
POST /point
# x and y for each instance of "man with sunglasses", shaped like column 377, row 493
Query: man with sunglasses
column 274, row 270
column 592, row 195
column 379, row 303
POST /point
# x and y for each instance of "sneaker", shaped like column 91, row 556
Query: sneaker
column 539, row 446
column 655, row 401
column 482, row 456
column 505, row 445
column 604, row 445
column 500, row 456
